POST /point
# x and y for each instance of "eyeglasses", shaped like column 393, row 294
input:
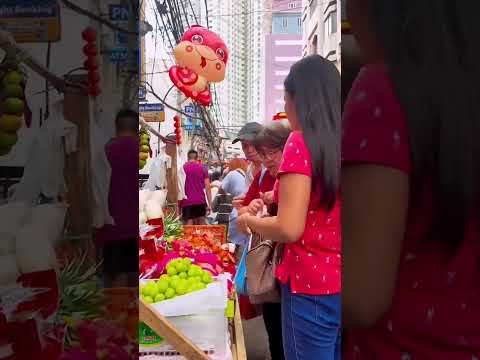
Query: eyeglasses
column 269, row 154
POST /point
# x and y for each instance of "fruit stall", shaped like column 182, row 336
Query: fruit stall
column 52, row 303
column 188, row 305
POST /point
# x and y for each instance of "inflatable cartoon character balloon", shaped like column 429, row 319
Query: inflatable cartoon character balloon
column 201, row 58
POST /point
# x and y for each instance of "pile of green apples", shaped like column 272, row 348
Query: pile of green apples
column 181, row 278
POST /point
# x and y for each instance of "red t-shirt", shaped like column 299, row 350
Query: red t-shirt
column 435, row 312
column 312, row 264
column 268, row 181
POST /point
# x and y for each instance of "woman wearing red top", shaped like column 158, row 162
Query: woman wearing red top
column 410, row 184
column 308, row 217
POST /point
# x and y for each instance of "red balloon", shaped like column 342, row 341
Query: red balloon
column 91, row 63
column 176, row 125
column 89, row 34
column 90, row 50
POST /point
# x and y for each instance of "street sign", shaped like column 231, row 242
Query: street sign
column 120, row 16
column 188, row 123
column 31, row 21
column 119, row 55
column 152, row 112
column 118, row 13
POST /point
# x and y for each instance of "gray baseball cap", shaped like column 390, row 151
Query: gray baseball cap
column 248, row 132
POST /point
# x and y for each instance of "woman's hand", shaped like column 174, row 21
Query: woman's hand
column 255, row 207
column 267, row 197
column 237, row 202
column 242, row 225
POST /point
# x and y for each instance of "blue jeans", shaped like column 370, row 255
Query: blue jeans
column 311, row 326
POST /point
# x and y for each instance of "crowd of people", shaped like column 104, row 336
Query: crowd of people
column 287, row 190
column 389, row 264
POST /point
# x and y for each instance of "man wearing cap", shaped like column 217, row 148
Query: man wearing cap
column 246, row 135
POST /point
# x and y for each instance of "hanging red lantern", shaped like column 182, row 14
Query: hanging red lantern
column 91, row 64
column 89, row 35
column 178, row 130
column 90, row 50
column 94, row 90
column 93, row 77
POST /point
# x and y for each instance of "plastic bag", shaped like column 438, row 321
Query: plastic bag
column 12, row 217
column 241, row 275
column 213, row 298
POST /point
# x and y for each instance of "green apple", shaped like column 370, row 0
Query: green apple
column 193, row 271
column 181, row 267
column 165, row 277
column 174, row 281
column 171, row 271
column 170, row 293
column 206, row 277
column 162, row 286
column 159, row 297
column 182, row 287
column 150, row 289
column 200, row 286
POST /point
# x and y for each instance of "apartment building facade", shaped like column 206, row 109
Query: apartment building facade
column 283, row 47
column 321, row 22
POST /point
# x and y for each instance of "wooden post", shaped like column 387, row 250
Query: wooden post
column 77, row 165
column 175, row 338
column 172, row 179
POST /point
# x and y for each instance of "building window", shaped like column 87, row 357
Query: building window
column 331, row 23
column 284, row 22
column 313, row 7
column 314, row 49
column 293, row 5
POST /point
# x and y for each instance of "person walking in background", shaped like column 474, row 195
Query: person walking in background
column 197, row 205
column 235, row 184
column 308, row 216
column 119, row 242
column 411, row 183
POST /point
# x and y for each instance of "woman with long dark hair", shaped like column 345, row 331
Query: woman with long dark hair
column 308, row 216
column 410, row 183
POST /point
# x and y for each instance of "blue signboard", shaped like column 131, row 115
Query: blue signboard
column 151, row 107
column 142, row 93
column 118, row 13
column 119, row 55
column 188, row 124
column 31, row 21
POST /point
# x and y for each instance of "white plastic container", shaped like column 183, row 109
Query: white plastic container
column 199, row 315
column 208, row 331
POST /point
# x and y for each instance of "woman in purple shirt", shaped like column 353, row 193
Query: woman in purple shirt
column 119, row 242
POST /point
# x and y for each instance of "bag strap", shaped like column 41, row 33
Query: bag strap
column 240, row 171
